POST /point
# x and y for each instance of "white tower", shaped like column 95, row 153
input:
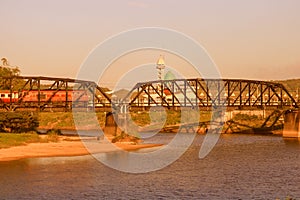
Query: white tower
column 160, row 66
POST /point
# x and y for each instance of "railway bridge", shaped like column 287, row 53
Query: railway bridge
column 57, row 94
column 51, row 93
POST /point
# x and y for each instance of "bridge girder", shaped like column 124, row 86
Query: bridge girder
column 197, row 93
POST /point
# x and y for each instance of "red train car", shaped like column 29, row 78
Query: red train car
column 44, row 96
column 6, row 96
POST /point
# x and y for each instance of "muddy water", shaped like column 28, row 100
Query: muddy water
column 239, row 167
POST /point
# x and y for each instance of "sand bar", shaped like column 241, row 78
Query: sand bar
column 65, row 148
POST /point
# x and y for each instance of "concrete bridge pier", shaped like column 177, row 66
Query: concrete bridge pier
column 292, row 124
column 113, row 122
column 111, row 127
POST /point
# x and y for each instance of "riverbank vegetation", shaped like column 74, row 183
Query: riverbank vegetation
column 18, row 122
column 268, row 123
column 65, row 120
column 18, row 139
column 153, row 119
column 169, row 117
column 86, row 120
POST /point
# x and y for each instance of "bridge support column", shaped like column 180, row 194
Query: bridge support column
column 292, row 124
column 111, row 127
column 112, row 123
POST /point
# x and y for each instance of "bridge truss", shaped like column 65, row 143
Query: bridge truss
column 42, row 93
column 197, row 93
column 25, row 92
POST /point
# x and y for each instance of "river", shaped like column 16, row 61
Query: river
column 239, row 167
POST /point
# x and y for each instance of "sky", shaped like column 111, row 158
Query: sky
column 250, row 39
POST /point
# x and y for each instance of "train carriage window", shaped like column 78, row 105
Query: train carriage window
column 2, row 95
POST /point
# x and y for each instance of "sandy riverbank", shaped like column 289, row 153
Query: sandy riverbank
column 66, row 148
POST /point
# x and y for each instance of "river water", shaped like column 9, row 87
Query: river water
column 239, row 167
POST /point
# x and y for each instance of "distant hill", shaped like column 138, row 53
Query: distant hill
column 292, row 85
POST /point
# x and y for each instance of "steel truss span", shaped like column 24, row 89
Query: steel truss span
column 48, row 93
column 197, row 93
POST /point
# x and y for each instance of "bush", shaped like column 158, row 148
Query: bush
column 53, row 132
column 53, row 135
column 124, row 137
column 241, row 116
column 18, row 122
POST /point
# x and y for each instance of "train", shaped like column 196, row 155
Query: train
column 32, row 96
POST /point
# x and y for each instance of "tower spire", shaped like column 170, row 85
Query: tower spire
column 160, row 66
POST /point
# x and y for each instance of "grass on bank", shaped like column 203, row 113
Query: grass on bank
column 86, row 120
column 65, row 120
column 18, row 139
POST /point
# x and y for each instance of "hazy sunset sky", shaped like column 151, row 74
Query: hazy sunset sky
column 252, row 39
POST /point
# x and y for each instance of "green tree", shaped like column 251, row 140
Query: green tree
column 7, row 71
column 4, row 61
